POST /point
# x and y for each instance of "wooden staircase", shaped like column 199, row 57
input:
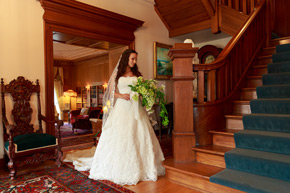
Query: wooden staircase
column 209, row 159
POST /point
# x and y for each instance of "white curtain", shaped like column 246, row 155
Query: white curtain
column 58, row 90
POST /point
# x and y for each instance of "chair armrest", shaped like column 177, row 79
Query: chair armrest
column 74, row 113
column 59, row 123
column 9, row 127
column 43, row 118
column 94, row 114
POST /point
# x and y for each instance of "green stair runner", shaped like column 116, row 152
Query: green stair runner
column 260, row 163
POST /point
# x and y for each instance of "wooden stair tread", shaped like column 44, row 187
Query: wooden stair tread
column 248, row 89
column 224, row 131
column 235, row 116
column 245, row 102
column 254, row 77
column 192, row 168
column 279, row 39
column 269, row 48
column 212, row 149
column 260, row 66
column 264, row 57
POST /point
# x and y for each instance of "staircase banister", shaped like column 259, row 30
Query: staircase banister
column 221, row 59
column 219, row 62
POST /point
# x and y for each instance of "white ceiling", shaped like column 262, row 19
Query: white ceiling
column 69, row 52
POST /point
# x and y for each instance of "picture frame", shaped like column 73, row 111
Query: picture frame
column 162, row 64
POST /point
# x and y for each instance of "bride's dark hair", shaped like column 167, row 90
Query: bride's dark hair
column 124, row 63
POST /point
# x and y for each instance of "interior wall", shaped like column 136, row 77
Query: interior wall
column 21, row 48
column 22, row 40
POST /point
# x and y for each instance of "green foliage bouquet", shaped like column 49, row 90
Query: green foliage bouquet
column 150, row 94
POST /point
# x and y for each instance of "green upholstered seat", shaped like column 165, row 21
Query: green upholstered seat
column 32, row 141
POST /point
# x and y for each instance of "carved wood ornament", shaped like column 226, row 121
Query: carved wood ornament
column 21, row 91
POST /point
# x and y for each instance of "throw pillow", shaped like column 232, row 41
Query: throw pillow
column 84, row 111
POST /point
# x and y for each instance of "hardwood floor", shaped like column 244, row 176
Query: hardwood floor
column 162, row 185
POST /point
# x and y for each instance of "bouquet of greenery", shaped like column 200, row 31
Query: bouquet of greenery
column 150, row 94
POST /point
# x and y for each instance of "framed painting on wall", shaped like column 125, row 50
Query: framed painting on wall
column 162, row 62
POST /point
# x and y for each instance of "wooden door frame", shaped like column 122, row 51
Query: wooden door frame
column 76, row 18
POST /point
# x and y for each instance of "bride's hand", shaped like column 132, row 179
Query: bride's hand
column 125, row 96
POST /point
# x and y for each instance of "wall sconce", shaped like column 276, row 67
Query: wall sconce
column 105, row 85
column 88, row 87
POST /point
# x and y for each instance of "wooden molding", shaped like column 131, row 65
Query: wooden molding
column 79, row 19
column 60, row 63
column 207, row 5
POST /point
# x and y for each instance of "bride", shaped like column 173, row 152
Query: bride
column 128, row 150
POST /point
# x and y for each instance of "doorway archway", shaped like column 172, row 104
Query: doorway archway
column 80, row 19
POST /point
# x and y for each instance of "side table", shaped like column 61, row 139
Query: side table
column 96, row 128
column 66, row 115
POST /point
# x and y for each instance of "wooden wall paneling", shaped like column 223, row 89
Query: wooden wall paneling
column 176, row 6
column 183, row 134
column 187, row 16
column 190, row 28
column 282, row 18
column 197, row 18
column 207, row 117
column 76, row 18
column 231, row 20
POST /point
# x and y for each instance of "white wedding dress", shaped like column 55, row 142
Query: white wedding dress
column 128, row 150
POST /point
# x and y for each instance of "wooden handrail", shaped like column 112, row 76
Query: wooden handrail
column 230, row 66
column 231, row 44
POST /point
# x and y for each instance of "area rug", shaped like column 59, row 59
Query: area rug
column 54, row 179
column 66, row 131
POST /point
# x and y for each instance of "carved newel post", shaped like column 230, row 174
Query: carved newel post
column 183, row 134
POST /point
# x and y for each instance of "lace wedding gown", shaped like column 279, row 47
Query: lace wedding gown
column 128, row 150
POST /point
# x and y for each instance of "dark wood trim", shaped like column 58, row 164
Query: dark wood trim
column 76, row 18
column 61, row 63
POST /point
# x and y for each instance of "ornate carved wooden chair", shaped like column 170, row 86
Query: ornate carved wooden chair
column 22, row 144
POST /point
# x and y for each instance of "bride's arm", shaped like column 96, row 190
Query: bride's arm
column 122, row 96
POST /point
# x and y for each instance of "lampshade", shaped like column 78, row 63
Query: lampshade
column 70, row 93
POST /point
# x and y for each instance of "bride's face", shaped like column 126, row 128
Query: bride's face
column 132, row 60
